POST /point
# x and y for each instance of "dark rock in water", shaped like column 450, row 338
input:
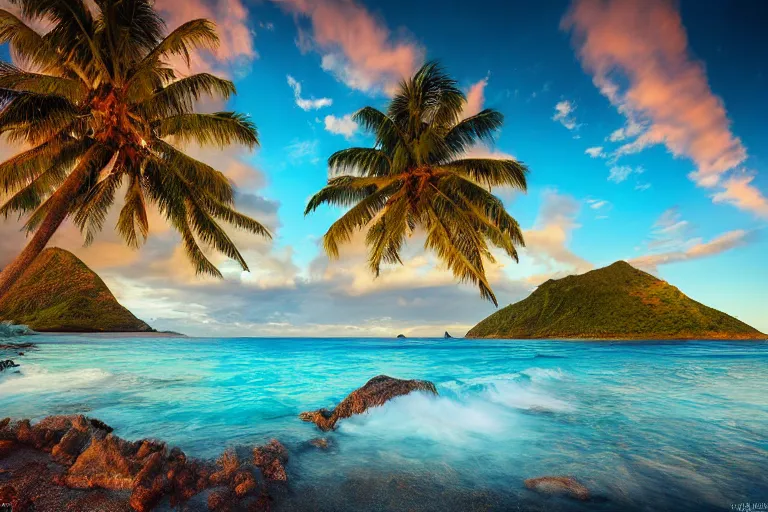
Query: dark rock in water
column 7, row 364
column 446, row 335
column 401, row 335
column 15, row 346
column 21, row 353
column 320, row 442
column 374, row 393
column 270, row 459
column 559, row 485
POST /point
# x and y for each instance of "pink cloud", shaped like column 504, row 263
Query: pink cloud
column 231, row 18
column 738, row 191
column 475, row 98
column 717, row 245
column 356, row 47
column 645, row 44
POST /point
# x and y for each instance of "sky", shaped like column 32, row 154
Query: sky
column 643, row 124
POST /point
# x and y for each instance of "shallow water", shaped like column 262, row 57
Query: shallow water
column 645, row 425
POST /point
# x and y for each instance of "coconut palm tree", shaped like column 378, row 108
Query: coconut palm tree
column 418, row 175
column 100, row 109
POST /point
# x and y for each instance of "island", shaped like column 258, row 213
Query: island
column 59, row 293
column 615, row 302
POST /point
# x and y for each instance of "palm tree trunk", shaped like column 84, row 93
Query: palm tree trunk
column 58, row 209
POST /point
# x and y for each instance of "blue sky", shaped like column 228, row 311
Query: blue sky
column 586, row 206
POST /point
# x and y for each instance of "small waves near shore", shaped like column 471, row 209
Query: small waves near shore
column 644, row 426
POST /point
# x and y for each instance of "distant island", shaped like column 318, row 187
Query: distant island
column 614, row 302
column 59, row 293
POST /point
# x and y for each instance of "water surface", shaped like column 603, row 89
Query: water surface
column 645, row 425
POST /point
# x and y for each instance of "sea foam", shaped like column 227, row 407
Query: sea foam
column 36, row 379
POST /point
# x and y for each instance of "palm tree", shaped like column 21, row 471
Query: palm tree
column 99, row 106
column 418, row 175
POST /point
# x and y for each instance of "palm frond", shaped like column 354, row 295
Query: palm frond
column 180, row 96
column 218, row 129
column 478, row 128
column 360, row 161
column 133, row 215
column 199, row 33
column 16, row 79
column 194, row 171
column 492, row 172
column 28, row 46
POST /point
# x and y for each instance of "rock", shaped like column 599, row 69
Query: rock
column 558, row 485
column 270, row 459
column 106, row 463
column 320, row 442
column 374, row 393
column 401, row 335
column 21, row 353
column 227, row 464
column 150, row 484
column 446, row 335
column 221, row 500
column 245, row 484
column 7, row 364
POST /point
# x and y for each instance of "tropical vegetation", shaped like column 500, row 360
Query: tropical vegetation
column 100, row 109
column 421, row 175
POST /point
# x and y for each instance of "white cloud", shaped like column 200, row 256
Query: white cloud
column 596, row 204
column 620, row 173
column 307, row 104
column 564, row 114
column 595, row 152
column 303, row 150
column 344, row 125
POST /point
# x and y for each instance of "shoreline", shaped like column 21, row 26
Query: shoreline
column 77, row 463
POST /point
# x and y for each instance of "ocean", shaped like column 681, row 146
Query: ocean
column 677, row 426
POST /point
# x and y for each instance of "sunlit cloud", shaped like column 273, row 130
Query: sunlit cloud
column 666, row 98
column 564, row 114
column 344, row 125
column 307, row 104
column 357, row 48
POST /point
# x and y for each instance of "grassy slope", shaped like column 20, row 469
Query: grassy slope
column 615, row 302
column 60, row 293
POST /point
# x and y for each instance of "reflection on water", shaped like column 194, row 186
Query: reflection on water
column 646, row 426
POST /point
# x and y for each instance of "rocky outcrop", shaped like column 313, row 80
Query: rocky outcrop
column 7, row 364
column 83, row 465
column 270, row 459
column 558, row 485
column 374, row 393
column 401, row 336
column 447, row 336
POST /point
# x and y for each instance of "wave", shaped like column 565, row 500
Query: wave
column 36, row 379
column 464, row 410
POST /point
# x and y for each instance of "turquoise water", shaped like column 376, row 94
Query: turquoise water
column 646, row 426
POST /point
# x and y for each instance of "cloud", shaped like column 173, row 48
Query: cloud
column 631, row 129
column 564, row 114
column 236, row 49
column 738, row 191
column 302, row 150
column 595, row 152
column 620, row 173
column 644, row 46
column 307, row 104
column 475, row 98
column 356, row 47
column 717, row 245
column 344, row 125
column 596, row 204
column 547, row 242
column 642, row 187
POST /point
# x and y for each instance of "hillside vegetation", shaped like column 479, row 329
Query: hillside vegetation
column 615, row 302
column 59, row 293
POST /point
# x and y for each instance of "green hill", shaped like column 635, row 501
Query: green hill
column 59, row 293
column 615, row 302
